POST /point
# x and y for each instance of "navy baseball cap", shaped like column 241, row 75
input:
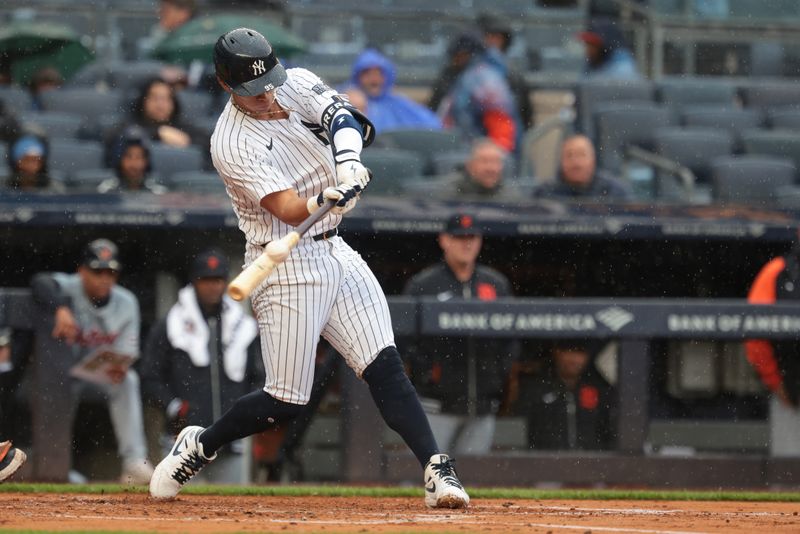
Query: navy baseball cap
column 209, row 264
column 462, row 224
column 246, row 62
column 101, row 254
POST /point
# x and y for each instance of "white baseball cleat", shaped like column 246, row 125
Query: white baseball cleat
column 11, row 459
column 179, row 466
column 442, row 487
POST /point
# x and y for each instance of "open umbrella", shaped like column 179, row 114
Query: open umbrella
column 195, row 40
column 27, row 46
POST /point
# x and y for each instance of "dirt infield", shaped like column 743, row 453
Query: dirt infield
column 204, row 513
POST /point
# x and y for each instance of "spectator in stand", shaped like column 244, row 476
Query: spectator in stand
column 607, row 55
column 374, row 74
column 480, row 102
column 571, row 406
column 776, row 362
column 497, row 37
column 43, row 80
column 27, row 158
column 458, row 56
column 461, row 380
column 579, row 178
column 96, row 316
column 481, row 177
column 172, row 14
column 201, row 358
column 130, row 159
column 157, row 111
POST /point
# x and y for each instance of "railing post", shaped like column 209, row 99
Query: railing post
column 633, row 395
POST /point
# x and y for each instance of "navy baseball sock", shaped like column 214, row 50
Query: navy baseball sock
column 399, row 405
column 250, row 414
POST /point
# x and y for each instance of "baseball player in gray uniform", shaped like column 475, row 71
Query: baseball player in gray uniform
column 92, row 312
column 284, row 145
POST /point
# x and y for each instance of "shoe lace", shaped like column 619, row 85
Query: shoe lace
column 447, row 472
column 189, row 467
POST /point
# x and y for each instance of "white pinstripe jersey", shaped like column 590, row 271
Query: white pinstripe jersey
column 259, row 157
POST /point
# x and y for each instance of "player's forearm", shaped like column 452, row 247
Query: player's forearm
column 287, row 206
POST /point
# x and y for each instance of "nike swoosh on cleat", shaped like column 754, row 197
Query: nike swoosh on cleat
column 177, row 450
column 432, row 488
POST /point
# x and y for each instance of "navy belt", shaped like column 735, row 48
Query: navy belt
column 326, row 235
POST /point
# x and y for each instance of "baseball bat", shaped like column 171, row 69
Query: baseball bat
column 275, row 252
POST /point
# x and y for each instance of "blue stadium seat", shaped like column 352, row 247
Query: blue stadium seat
column 694, row 148
column 169, row 160
column 785, row 118
column 84, row 101
column 68, row 156
column 55, row 124
column 593, row 93
column 194, row 104
column 623, row 125
column 680, row 92
column 779, row 143
column 750, row 179
column 425, row 143
column 390, row 168
column 733, row 120
column 763, row 95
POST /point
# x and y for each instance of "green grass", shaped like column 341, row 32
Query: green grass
column 475, row 493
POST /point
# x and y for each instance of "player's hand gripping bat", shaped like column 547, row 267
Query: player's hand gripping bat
column 276, row 252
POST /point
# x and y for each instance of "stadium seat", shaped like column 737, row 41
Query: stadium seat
column 68, row 156
column 390, row 168
column 169, row 160
column 87, row 180
column 694, row 148
column 194, row 104
column 750, row 179
column 122, row 75
column 15, row 99
column 733, row 120
column 764, row 95
column 5, row 170
column 681, row 92
column 200, row 182
column 593, row 93
column 55, row 124
column 83, row 101
column 447, row 162
column 786, row 118
column 622, row 125
column 425, row 143
column 780, row 143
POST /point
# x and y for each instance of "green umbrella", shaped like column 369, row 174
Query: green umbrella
column 29, row 46
column 195, row 40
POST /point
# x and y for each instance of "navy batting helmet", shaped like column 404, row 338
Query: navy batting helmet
column 245, row 61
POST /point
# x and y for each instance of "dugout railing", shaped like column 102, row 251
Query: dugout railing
column 634, row 323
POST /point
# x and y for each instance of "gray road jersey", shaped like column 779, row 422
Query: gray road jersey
column 116, row 324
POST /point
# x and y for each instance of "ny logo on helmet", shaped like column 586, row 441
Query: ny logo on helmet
column 258, row 67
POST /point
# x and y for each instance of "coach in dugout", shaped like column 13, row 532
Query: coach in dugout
column 201, row 357
column 96, row 316
column 777, row 363
column 461, row 380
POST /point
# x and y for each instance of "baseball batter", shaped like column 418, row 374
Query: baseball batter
column 284, row 145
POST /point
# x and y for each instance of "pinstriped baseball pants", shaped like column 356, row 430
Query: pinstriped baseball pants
column 324, row 288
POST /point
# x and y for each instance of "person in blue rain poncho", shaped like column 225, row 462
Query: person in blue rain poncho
column 374, row 75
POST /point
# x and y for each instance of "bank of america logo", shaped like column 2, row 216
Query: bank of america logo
column 614, row 318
